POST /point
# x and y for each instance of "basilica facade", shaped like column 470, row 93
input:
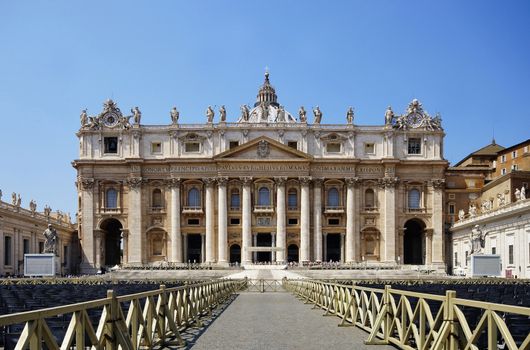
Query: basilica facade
column 271, row 187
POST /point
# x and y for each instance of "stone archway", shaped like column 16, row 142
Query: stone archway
column 414, row 242
column 112, row 243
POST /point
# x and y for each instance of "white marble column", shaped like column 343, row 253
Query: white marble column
column 87, row 229
column 389, row 219
column 246, row 222
column 342, row 247
column 304, row 219
column 210, row 215
column 203, row 248
column 317, row 219
column 350, row 223
column 428, row 233
column 222, row 212
column 280, row 219
column 273, row 253
column 176, row 237
column 125, row 241
column 136, row 241
column 438, row 186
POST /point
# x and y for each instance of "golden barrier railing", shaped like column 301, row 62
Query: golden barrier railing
column 132, row 321
column 411, row 320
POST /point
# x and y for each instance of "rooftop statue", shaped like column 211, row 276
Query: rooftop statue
column 318, row 115
column 83, row 118
column 137, row 115
column 302, row 115
column 14, row 198
column 389, row 116
column 50, row 245
column 174, row 115
column 264, row 111
column 222, row 113
column 349, row 115
column 523, row 193
column 210, row 114
column 245, row 112
column 281, row 115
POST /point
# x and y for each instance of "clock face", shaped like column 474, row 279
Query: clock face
column 110, row 120
column 414, row 119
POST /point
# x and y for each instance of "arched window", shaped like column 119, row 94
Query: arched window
column 292, row 198
column 157, row 198
column 111, row 198
column 194, row 199
column 414, row 199
column 333, row 197
column 264, row 197
column 369, row 198
column 235, row 200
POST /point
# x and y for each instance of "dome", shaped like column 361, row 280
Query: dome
column 267, row 109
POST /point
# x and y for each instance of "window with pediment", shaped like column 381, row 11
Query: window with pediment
column 194, row 197
column 235, row 199
column 369, row 199
column 264, row 196
column 414, row 198
column 292, row 199
column 333, row 197
column 111, row 198
column 157, row 199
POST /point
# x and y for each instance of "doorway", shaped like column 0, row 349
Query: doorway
column 263, row 240
column 414, row 242
column 292, row 253
column 333, row 247
column 235, row 254
column 112, row 242
column 194, row 248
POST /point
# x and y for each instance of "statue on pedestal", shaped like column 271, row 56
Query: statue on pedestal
column 461, row 214
column 349, row 115
column 222, row 113
column 174, row 115
column 523, row 193
column 245, row 113
column 517, row 194
column 50, row 245
column 318, row 115
column 83, row 117
column 302, row 115
column 472, row 210
column 210, row 114
column 14, row 198
column 389, row 116
column 137, row 115
column 478, row 240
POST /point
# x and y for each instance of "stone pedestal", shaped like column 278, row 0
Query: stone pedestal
column 45, row 264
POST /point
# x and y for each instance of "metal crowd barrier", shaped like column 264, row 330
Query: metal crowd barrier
column 264, row 285
column 147, row 319
column 411, row 320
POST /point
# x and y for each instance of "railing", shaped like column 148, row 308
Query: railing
column 334, row 209
column 264, row 285
column 411, row 320
column 142, row 320
column 110, row 210
column 263, row 209
column 192, row 210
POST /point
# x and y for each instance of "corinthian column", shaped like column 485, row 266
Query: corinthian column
column 280, row 219
column 317, row 222
column 247, row 222
column 176, row 237
column 389, row 219
column 304, row 219
column 210, row 214
column 350, row 223
column 437, row 221
column 222, row 217
column 136, row 249
column 86, row 186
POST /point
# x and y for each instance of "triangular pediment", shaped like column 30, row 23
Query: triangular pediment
column 263, row 148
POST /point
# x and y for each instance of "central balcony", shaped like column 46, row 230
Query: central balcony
column 263, row 209
column 192, row 210
column 334, row 210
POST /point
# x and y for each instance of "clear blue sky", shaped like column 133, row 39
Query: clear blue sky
column 468, row 60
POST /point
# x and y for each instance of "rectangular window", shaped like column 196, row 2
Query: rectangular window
column 333, row 147
column 156, row 147
column 494, row 163
column 456, row 259
column 503, row 171
column 503, row 158
column 515, row 167
column 452, row 196
column 466, row 254
column 194, row 222
column 26, row 246
column 414, row 145
column 369, row 148
column 41, row 247
column 111, row 144
column 293, row 144
column 234, row 221
column 233, row 144
column 493, row 250
column 7, row 250
column 510, row 254
column 514, row 154
column 192, row 147
column 333, row 222
column 451, row 208
column 525, row 149
column 65, row 254
column 292, row 221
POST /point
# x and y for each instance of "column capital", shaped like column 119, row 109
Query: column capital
column 124, row 232
column 246, row 180
column 87, row 183
column 173, row 182
column 352, row 181
column 388, row 182
column 280, row 180
column 134, row 182
column 208, row 181
column 437, row 184
column 304, row 180
column 222, row 180
column 317, row 181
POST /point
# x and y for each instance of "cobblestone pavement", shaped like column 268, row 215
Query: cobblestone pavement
column 277, row 321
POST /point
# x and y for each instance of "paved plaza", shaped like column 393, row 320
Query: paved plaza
column 277, row 321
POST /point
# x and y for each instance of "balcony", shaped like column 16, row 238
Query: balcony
column 236, row 209
column 157, row 210
column 194, row 210
column 263, row 209
column 416, row 210
column 110, row 210
column 292, row 208
column 371, row 209
column 334, row 210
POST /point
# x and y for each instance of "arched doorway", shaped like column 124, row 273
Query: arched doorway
column 414, row 242
column 333, row 247
column 292, row 253
column 112, row 242
column 235, row 253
